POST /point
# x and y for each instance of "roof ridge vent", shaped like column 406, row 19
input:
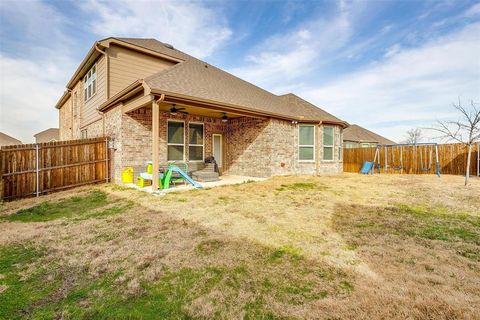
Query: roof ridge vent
column 168, row 45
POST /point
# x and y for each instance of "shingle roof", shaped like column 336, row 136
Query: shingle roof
column 307, row 109
column 359, row 134
column 197, row 79
column 157, row 46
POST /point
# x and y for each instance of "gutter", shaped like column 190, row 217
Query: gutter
column 126, row 93
column 66, row 94
column 138, row 85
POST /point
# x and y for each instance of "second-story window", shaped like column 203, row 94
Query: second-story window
column 90, row 83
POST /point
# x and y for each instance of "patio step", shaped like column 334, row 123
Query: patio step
column 205, row 176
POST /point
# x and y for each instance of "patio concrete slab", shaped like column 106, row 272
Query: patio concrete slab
column 224, row 180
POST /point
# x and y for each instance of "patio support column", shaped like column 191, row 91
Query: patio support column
column 155, row 141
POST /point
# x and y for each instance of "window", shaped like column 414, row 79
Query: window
column 195, row 142
column 90, row 83
column 306, row 142
column 327, row 143
column 176, row 141
column 365, row 145
column 83, row 134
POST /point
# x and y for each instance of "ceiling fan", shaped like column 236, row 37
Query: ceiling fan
column 174, row 110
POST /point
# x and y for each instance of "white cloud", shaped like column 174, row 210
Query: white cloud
column 189, row 26
column 28, row 92
column 33, row 77
column 287, row 56
column 411, row 87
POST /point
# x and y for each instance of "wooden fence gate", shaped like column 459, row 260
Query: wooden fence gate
column 35, row 169
column 452, row 159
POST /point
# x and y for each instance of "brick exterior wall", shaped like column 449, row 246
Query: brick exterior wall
column 252, row 147
column 65, row 121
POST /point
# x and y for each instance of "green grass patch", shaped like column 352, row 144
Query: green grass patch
column 79, row 207
column 22, row 291
column 457, row 230
column 298, row 186
column 285, row 251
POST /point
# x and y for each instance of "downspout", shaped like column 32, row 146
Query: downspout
column 71, row 107
column 107, row 85
column 317, row 149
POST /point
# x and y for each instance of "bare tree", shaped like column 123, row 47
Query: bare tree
column 465, row 130
column 413, row 136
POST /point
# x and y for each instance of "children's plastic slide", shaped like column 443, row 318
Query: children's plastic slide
column 168, row 176
column 367, row 167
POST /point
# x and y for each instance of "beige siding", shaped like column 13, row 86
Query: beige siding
column 89, row 112
column 126, row 66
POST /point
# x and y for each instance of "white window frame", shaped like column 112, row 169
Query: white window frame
column 307, row 145
column 88, row 80
column 196, row 145
column 328, row 146
column 177, row 144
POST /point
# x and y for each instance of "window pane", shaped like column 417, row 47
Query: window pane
column 327, row 153
column 196, row 133
column 94, row 86
column 306, row 135
column 175, row 153
column 175, row 132
column 89, row 91
column 305, row 153
column 85, row 94
column 328, row 136
column 195, row 153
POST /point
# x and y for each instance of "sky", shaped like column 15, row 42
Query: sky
column 386, row 65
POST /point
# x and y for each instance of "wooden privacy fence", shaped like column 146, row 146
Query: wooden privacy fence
column 35, row 169
column 415, row 160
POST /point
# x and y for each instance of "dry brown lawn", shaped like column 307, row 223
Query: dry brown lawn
column 332, row 247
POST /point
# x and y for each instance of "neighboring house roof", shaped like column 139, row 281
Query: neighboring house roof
column 356, row 133
column 47, row 135
column 198, row 80
column 6, row 140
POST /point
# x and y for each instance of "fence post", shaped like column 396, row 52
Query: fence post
column 478, row 159
column 106, row 160
column 37, row 182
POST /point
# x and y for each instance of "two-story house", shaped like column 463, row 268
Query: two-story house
column 159, row 104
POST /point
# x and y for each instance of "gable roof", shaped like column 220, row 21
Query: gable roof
column 6, row 140
column 359, row 134
column 194, row 79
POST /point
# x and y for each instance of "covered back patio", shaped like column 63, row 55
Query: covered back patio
column 164, row 129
